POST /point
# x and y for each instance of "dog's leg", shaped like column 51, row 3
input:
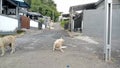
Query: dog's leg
column 3, row 50
column 13, row 48
column 53, row 47
column 61, row 50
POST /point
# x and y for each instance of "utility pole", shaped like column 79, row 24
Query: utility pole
column 18, row 16
column 17, row 12
column 0, row 6
column 53, row 15
column 72, row 21
column 108, row 32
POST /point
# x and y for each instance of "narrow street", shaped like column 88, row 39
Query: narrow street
column 34, row 50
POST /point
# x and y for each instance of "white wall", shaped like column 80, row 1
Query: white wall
column 33, row 24
column 8, row 24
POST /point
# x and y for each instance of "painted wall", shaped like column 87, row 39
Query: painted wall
column 8, row 24
column 93, row 22
column 33, row 24
column 116, row 5
column 94, row 25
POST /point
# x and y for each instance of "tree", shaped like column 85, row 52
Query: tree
column 45, row 7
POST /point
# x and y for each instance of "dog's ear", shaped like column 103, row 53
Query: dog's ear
column 62, row 39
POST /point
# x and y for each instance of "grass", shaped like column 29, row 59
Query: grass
column 1, row 35
column 20, row 31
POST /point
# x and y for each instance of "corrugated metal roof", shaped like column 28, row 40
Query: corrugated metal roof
column 20, row 0
column 85, row 6
column 82, row 7
column 21, row 3
column 34, row 14
column 66, row 15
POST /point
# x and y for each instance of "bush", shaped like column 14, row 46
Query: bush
column 63, row 22
column 20, row 31
column 41, row 20
column 1, row 35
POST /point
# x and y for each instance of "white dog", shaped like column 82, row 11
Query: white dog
column 58, row 44
column 7, row 41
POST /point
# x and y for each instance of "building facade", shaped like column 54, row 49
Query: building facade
column 94, row 23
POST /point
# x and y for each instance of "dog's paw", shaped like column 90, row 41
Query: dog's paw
column 53, row 49
column 62, row 51
column 2, row 54
column 11, row 52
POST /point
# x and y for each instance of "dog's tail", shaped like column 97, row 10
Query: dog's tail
column 64, row 47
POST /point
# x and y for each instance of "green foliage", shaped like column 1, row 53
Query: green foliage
column 1, row 35
column 45, row 7
column 20, row 31
column 41, row 20
column 28, row 1
column 63, row 22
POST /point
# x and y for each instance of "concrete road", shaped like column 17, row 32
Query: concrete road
column 34, row 50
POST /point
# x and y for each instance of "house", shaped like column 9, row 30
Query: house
column 93, row 22
column 9, row 10
column 9, row 7
column 34, row 15
column 65, row 18
column 74, row 16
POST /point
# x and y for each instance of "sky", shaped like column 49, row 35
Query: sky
column 63, row 5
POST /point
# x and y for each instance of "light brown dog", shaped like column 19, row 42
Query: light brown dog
column 7, row 41
column 58, row 44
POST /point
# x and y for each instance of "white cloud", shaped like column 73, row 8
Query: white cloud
column 63, row 5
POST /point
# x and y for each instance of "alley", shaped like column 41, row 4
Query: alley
column 34, row 50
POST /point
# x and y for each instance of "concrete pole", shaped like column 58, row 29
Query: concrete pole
column 53, row 16
column 0, row 6
column 18, row 16
column 108, row 20
column 17, row 11
column 72, row 21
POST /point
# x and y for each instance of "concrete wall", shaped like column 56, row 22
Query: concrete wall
column 94, row 24
column 116, row 23
column 33, row 24
column 116, row 4
column 8, row 24
column 116, row 1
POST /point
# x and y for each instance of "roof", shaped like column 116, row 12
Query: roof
column 34, row 14
column 12, row 2
column 65, row 15
column 85, row 6
column 82, row 7
column 99, row 2
column 20, row 2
